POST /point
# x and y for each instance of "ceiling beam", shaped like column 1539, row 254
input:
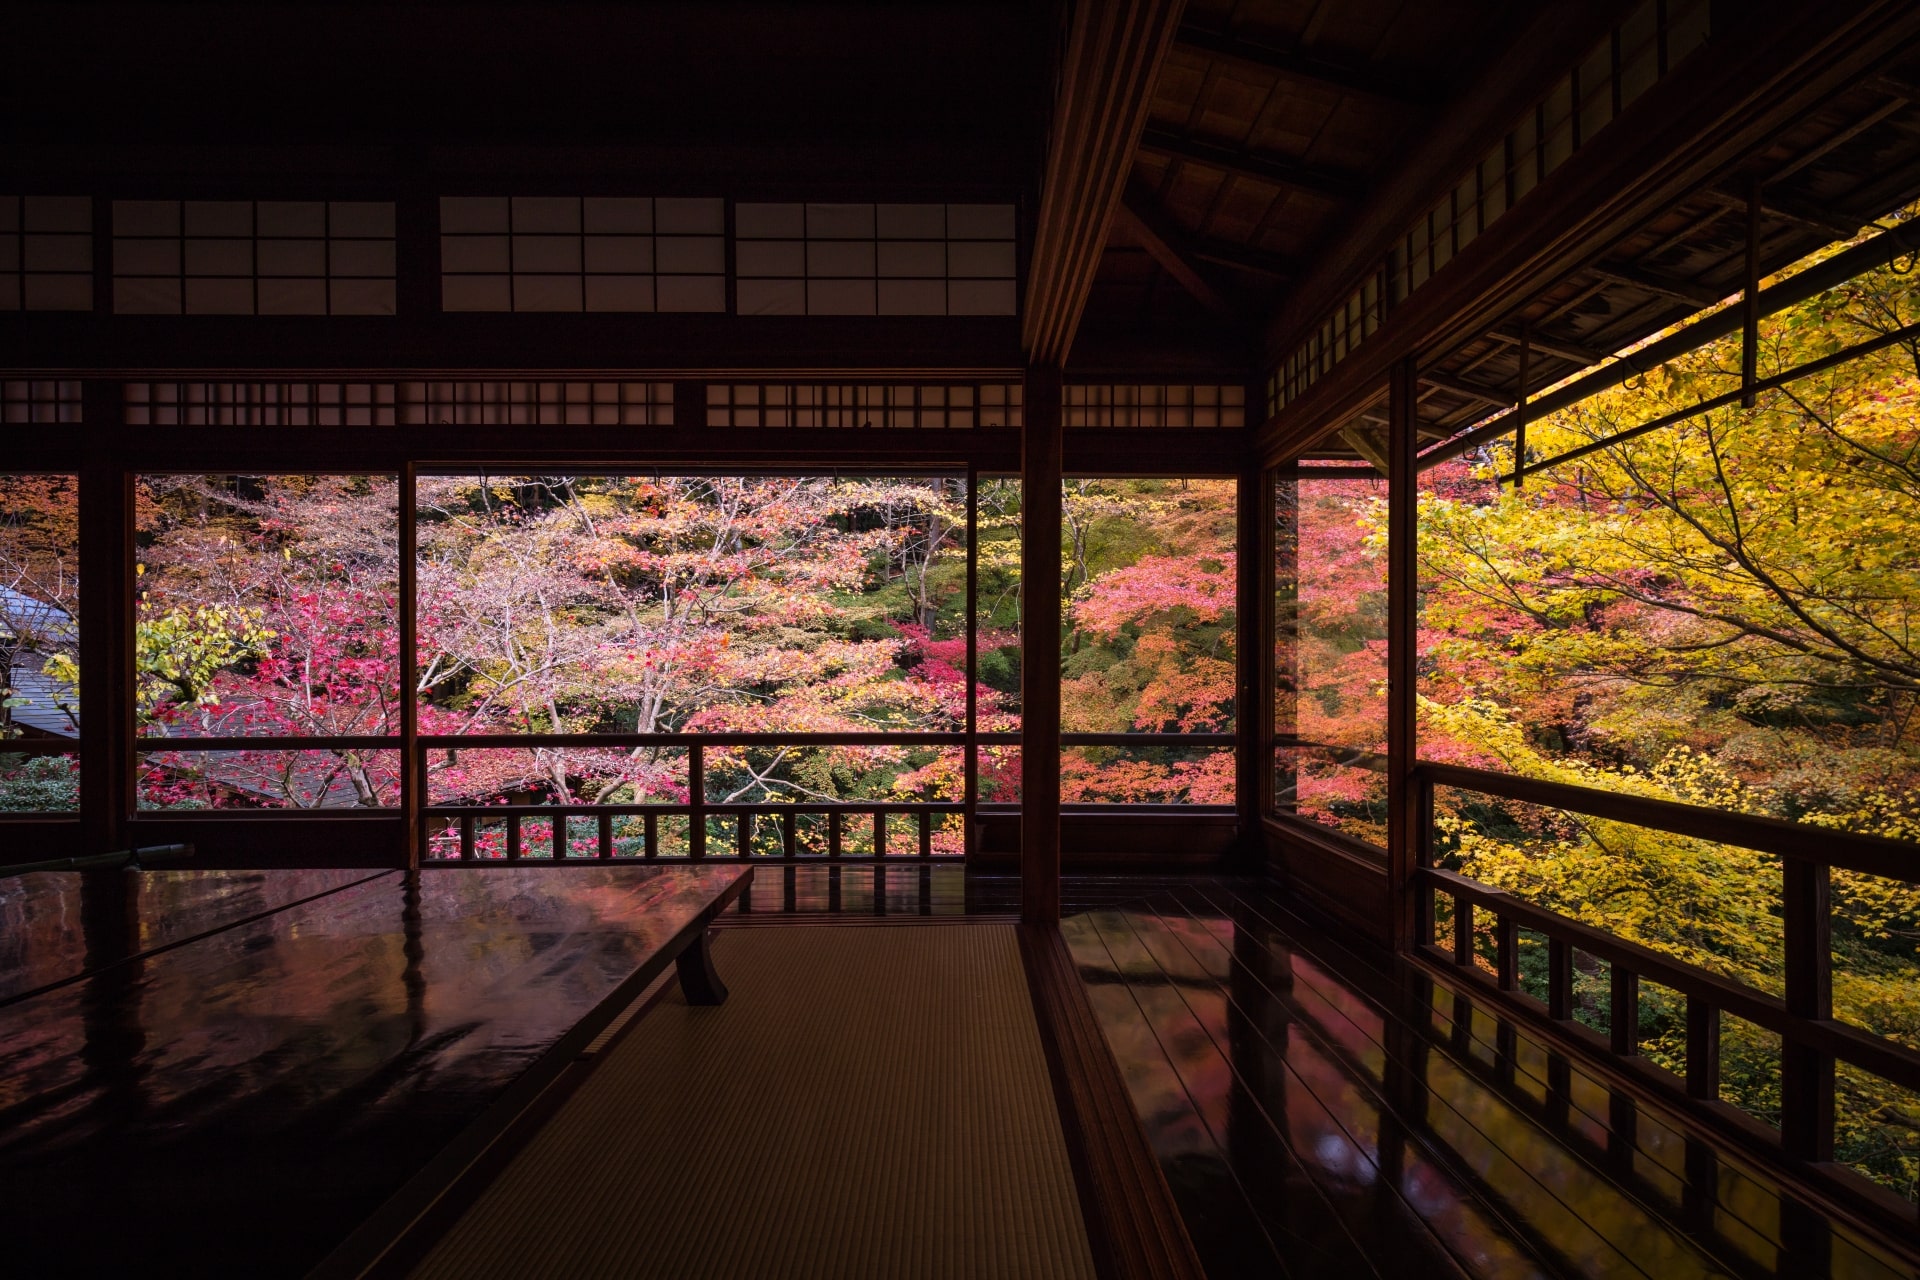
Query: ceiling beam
column 1785, row 209
column 1461, row 387
column 1154, row 230
column 1547, row 346
column 1275, row 170
column 1225, row 48
column 1699, row 295
column 1110, row 64
column 1242, row 257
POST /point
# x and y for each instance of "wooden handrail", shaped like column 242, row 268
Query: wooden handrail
column 1874, row 855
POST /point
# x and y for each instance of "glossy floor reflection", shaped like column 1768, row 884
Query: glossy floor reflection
column 913, row 888
column 237, row 1105
column 1321, row 1110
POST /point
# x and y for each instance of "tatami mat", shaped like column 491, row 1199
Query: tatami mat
column 869, row 1102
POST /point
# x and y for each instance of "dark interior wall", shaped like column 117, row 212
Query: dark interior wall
column 503, row 73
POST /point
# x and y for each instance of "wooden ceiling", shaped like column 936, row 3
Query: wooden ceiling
column 1270, row 123
column 1271, row 149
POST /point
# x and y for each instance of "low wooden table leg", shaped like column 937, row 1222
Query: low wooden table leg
column 698, row 980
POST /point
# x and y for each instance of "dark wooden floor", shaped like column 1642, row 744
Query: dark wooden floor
column 1325, row 1110
column 916, row 889
column 1319, row 1108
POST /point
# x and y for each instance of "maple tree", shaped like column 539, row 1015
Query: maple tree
column 1148, row 641
column 1720, row 613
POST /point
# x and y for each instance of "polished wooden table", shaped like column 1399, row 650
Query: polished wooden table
column 244, row 1077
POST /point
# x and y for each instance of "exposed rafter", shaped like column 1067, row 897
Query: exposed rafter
column 1277, row 170
column 1787, row 209
column 1299, row 65
column 1462, row 387
column 1153, row 230
column 1549, row 346
column 1699, row 295
column 1113, row 53
column 1242, row 258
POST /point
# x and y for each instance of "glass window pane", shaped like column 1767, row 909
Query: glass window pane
column 266, row 606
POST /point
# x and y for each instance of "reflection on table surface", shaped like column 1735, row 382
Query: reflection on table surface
column 236, row 1105
column 56, row 925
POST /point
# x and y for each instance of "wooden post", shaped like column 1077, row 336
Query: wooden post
column 1279, row 707
column 417, row 243
column 970, row 796
column 1750, row 303
column 1403, row 626
column 1806, row 1074
column 107, row 588
column 1253, row 733
column 413, row 762
column 1520, row 407
column 1040, row 465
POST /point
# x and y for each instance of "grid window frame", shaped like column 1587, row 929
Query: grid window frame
column 255, row 257
column 875, row 259
column 46, row 253
column 862, row 406
column 1178, row 406
column 466, row 402
column 583, row 254
column 39, row 400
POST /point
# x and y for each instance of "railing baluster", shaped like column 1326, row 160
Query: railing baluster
column 652, row 821
column 880, row 833
column 466, row 837
column 789, row 836
column 513, row 837
column 697, row 801
column 1559, row 979
column 926, row 833
column 1703, row 1050
column 606, row 834
column 745, row 833
column 1462, row 931
column 833, row 841
column 1806, row 1074
column 1506, row 934
column 1625, row 1023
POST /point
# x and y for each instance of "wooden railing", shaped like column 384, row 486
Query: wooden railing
column 1812, row 1040
column 457, row 828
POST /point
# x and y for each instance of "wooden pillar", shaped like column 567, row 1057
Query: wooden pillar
column 1253, row 638
column 1040, row 465
column 106, row 623
column 416, row 227
column 413, row 762
column 1404, row 816
column 970, row 777
column 1280, row 634
column 1750, row 303
column 1806, row 1074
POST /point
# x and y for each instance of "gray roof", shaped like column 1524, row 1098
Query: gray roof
column 41, row 701
column 45, row 626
